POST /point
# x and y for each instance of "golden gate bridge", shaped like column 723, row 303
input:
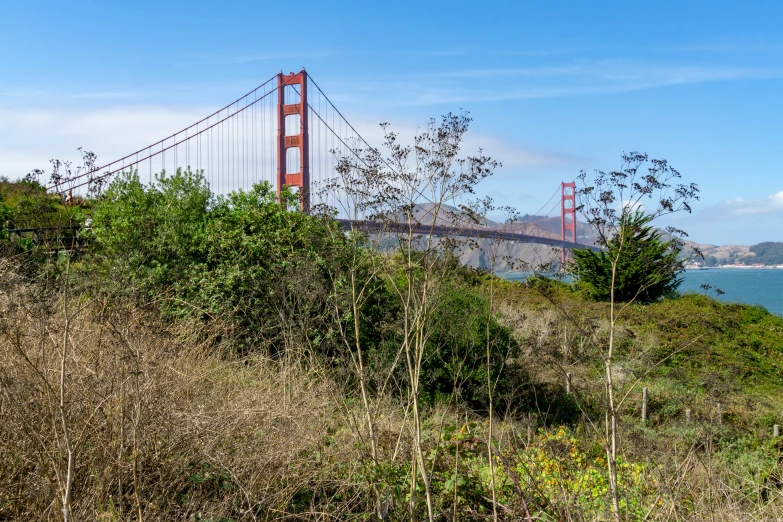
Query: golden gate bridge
column 288, row 132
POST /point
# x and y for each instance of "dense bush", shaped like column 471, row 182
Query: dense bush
column 27, row 204
column 205, row 256
column 457, row 363
column 647, row 266
column 152, row 235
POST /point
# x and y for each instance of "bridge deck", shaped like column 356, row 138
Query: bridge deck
column 71, row 241
column 441, row 230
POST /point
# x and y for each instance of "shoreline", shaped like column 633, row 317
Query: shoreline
column 734, row 267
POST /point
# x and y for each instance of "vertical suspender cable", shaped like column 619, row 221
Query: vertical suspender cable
column 244, row 147
column 235, row 144
column 255, row 142
column 221, row 153
column 248, row 145
column 230, row 155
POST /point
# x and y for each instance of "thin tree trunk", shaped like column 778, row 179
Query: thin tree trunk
column 491, row 406
column 611, row 412
column 360, row 360
column 70, row 457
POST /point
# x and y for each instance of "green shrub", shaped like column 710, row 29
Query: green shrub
column 646, row 266
column 237, row 257
column 153, row 235
column 456, row 364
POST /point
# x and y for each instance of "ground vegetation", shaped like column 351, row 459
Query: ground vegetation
column 231, row 358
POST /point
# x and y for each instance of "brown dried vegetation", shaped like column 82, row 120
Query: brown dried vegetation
column 163, row 426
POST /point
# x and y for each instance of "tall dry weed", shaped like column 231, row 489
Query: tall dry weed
column 163, row 427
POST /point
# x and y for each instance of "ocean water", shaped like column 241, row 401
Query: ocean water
column 759, row 287
column 756, row 287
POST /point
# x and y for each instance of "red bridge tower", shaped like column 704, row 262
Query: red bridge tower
column 567, row 215
column 300, row 179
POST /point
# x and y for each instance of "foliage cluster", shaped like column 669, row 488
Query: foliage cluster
column 259, row 266
column 233, row 257
column 702, row 351
column 646, row 269
column 27, row 204
column 561, row 469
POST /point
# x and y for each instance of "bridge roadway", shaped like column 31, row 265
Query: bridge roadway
column 437, row 230
column 481, row 233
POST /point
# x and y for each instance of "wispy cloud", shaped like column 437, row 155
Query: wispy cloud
column 279, row 56
column 30, row 137
column 510, row 154
column 546, row 52
column 740, row 210
column 261, row 58
column 575, row 79
column 174, row 94
column 459, row 51
column 741, row 221
column 747, row 207
column 449, row 87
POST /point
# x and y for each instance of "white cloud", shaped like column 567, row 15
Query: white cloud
column 744, row 207
column 741, row 210
column 634, row 205
column 30, row 137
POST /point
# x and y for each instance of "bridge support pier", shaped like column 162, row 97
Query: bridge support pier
column 301, row 179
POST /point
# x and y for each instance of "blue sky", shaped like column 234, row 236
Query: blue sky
column 553, row 87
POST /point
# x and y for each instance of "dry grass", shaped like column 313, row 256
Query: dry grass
column 163, row 427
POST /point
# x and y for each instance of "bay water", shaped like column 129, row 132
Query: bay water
column 753, row 287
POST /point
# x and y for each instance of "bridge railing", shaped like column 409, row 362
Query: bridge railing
column 49, row 238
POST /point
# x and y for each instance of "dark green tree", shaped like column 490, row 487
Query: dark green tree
column 647, row 265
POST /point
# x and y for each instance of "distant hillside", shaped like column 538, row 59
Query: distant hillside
column 450, row 215
column 722, row 254
column 769, row 253
column 766, row 253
